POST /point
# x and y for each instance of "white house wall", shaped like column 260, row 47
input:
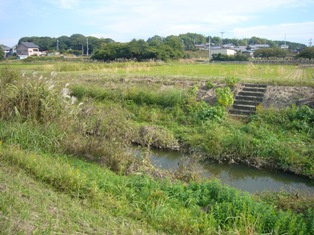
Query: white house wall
column 223, row 51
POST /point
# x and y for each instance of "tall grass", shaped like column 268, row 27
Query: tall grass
column 37, row 115
column 28, row 98
column 165, row 98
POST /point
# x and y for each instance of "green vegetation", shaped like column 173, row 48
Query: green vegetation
column 66, row 166
column 169, row 48
column 138, row 202
column 237, row 57
column 279, row 139
column 76, row 43
column 270, row 53
column 1, row 54
column 307, row 53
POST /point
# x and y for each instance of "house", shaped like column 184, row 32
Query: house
column 229, row 45
column 201, row 47
column 222, row 51
column 284, row 46
column 25, row 49
column 254, row 47
column 6, row 50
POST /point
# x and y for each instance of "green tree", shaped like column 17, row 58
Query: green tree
column 270, row 53
column 138, row 49
column 190, row 39
column 110, row 52
column 307, row 52
column 2, row 55
column 175, row 46
column 155, row 41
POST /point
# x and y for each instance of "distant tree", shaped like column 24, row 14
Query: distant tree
column 215, row 40
column 2, row 55
column 307, row 52
column 175, row 45
column 137, row 49
column 190, row 39
column 110, row 52
column 155, row 41
column 270, row 53
column 169, row 48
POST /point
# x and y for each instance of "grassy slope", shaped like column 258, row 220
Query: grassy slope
column 29, row 206
column 57, row 194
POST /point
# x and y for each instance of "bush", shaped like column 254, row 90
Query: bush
column 225, row 96
column 231, row 81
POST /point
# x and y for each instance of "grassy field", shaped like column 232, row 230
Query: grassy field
column 258, row 73
column 65, row 164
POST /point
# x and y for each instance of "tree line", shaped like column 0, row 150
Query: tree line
column 75, row 44
column 156, row 47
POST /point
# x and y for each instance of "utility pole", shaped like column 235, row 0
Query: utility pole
column 310, row 42
column 222, row 41
column 87, row 47
column 209, row 51
column 82, row 49
column 57, row 44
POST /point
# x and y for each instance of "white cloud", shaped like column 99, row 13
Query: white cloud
column 123, row 20
column 147, row 17
column 65, row 4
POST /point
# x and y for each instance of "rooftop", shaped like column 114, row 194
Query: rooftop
column 29, row 44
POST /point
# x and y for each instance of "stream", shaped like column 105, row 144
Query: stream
column 239, row 176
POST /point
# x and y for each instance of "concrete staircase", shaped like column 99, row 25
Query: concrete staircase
column 247, row 99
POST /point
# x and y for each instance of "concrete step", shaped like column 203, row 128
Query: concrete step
column 241, row 112
column 248, row 98
column 244, row 107
column 254, row 85
column 250, row 93
column 246, row 102
column 255, row 89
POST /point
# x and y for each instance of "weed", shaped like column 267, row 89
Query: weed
column 231, row 81
column 225, row 96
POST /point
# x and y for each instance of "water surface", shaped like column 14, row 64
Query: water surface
column 239, row 176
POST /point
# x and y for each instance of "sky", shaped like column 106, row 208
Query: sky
column 124, row 20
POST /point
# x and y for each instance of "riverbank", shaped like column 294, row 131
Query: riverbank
column 71, row 142
column 94, row 199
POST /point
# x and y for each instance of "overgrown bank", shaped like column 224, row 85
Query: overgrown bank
column 272, row 138
column 44, row 133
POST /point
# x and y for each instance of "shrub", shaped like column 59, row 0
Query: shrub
column 224, row 96
column 215, row 113
column 231, row 81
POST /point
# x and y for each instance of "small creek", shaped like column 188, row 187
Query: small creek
column 239, row 176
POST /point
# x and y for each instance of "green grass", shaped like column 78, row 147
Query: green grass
column 135, row 202
column 258, row 73
column 47, row 188
column 272, row 138
column 30, row 206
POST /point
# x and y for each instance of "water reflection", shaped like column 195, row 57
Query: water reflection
column 239, row 176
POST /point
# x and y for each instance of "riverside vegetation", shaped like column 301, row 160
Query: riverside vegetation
column 66, row 164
